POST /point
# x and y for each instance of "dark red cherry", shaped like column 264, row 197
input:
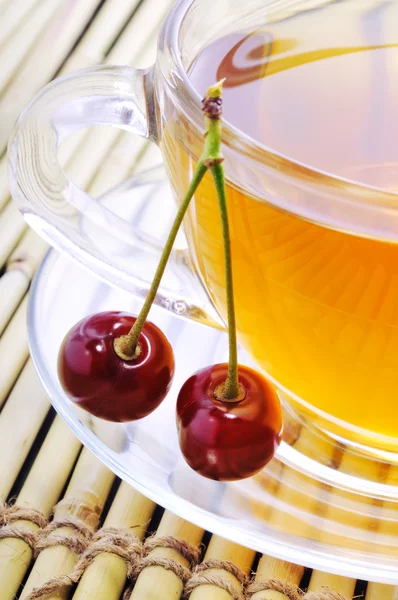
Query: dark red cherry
column 227, row 441
column 94, row 376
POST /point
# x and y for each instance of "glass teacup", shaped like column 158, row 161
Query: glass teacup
column 314, row 250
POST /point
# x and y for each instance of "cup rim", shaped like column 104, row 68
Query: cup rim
column 347, row 190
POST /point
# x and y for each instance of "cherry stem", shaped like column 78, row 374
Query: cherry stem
column 232, row 390
column 127, row 346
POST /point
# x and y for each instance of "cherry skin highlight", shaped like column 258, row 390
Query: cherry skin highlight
column 228, row 441
column 95, row 378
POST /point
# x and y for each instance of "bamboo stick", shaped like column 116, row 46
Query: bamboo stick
column 97, row 143
column 268, row 482
column 43, row 60
column 91, row 158
column 20, row 422
column 150, row 157
column 142, row 29
column 357, row 514
column 14, row 350
column 155, row 582
column 223, row 550
column 381, row 591
column 105, row 578
column 4, row 191
column 13, row 17
column 23, row 39
column 292, row 491
column 84, row 500
column 29, row 253
column 273, row 568
column 13, row 286
column 20, row 269
column 117, row 165
column 51, row 469
column 12, row 226
column 102, row 33
column 3, row 6
column 342, row 585
column 352, row 464
column 141, row 53
column 378, row 591
column 40, row 491
column 91, row 50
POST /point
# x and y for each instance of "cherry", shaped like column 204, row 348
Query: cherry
column 107, row 386
column 228, row 440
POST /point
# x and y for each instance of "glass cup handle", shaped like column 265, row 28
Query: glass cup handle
column 98, row 232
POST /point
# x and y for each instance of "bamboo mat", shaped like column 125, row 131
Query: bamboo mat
column 104, row 541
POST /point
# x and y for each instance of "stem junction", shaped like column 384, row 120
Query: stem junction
column 127, row 347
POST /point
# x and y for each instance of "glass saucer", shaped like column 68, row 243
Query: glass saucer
column 315, row 504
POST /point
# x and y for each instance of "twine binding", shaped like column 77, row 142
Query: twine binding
column 76, row 542
column 201, row 576
column 20, row 533
column 190, row 552
column 166, row 563
column 10, row 514
column 291, row 591
column 84, row 530
column 121, row 542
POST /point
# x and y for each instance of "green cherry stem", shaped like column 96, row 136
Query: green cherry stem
column 231, row 390
column 127, row 346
